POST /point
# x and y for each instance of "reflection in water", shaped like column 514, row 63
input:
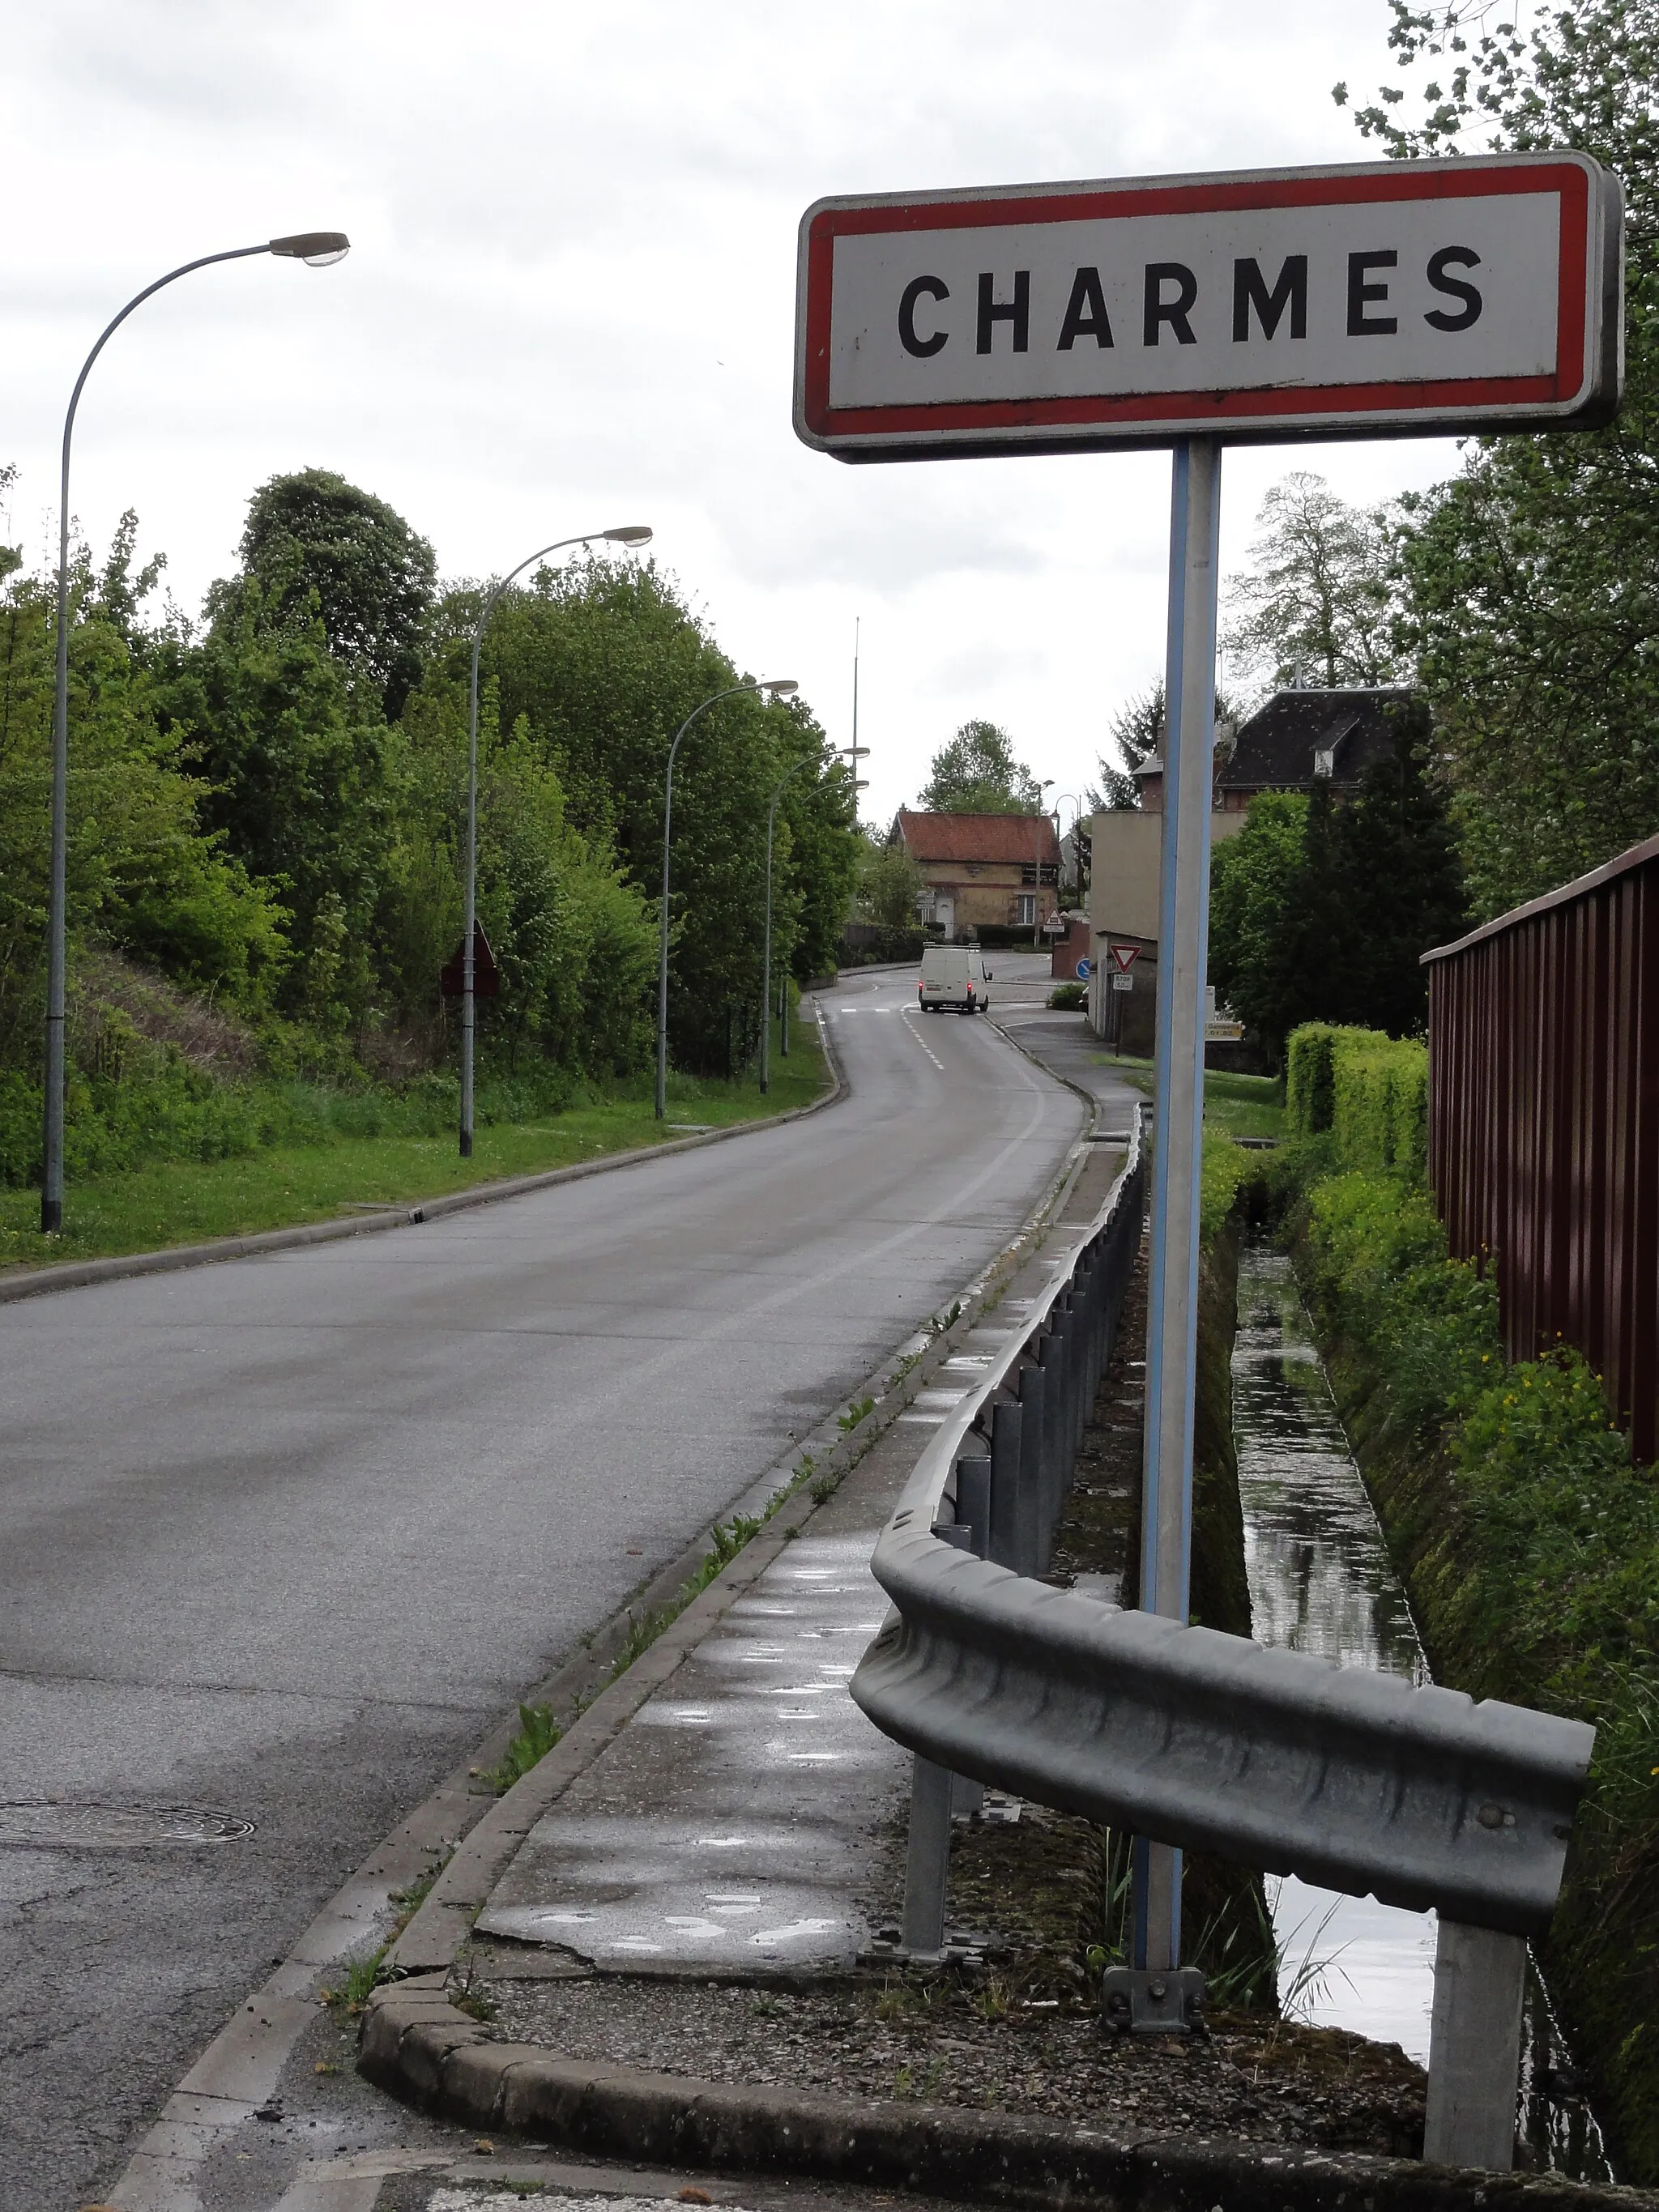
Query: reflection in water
column 1321, row 1582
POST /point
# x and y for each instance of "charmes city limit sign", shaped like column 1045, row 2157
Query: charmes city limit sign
column 1379, row 300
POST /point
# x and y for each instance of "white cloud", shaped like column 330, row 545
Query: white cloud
column 570, row 301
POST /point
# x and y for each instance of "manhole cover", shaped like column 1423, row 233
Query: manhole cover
column 104, row 1826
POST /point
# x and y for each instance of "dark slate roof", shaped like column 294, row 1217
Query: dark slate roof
column 1275, row 749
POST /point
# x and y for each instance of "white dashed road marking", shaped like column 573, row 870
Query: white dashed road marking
column 923, row 1042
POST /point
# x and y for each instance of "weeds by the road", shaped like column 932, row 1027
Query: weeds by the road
column 860, row 1410
column 364, row 1973
column 537, row 1734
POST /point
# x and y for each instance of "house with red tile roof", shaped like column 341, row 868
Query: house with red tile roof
column 996, row 872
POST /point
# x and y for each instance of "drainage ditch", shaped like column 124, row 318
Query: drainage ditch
column 1321, row 1581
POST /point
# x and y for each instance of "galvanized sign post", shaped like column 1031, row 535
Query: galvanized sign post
column 1385, row 300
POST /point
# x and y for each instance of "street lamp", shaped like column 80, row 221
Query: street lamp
column 1077, row 823
column 317, row 249
column 766, row 954
column 780, row 687
column 1046, row 784
column 632, row 534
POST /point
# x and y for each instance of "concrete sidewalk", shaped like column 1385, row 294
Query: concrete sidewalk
column 748, row 1821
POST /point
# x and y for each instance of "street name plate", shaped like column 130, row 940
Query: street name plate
column 1377, row 299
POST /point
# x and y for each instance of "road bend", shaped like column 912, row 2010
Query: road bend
column 281, row 1538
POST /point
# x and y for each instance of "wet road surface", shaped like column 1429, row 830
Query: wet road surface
column 283, row 1537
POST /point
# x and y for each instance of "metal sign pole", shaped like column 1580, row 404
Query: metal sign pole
column 1178, row 1127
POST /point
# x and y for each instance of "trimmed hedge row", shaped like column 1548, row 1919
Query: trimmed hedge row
column 1369, row 1092
column 1530, row 1550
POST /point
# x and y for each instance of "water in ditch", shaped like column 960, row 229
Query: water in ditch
column 1321, row 1581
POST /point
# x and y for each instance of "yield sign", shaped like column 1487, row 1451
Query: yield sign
column 1124, row 957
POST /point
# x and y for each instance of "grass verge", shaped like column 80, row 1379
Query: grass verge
column 1239, row 1105
column 173, row 1202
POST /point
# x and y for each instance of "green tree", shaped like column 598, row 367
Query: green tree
column 1317, row 596
column 313, row 541
column 1136, row 732
column 144, row 871
column 1531, row 581
column 1320, row 912
column 889, row 885
column 602, row 661
column 575, row 944
column 300, row 767
column 976, row 772
column 1258, row 892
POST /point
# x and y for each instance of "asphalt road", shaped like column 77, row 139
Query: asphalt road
column 282, row 1538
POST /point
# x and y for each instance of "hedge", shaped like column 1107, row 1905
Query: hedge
column 1369, row 1092
column 1531, row 1549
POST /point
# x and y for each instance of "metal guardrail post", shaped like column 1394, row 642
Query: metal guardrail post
column 974, row 1515
column 1007, row 1503
column 1474, row 2047
column 935, row 1792
column 974, row 1501
column 1033, row 1393
column 928, row 1857
column 1051, row 1359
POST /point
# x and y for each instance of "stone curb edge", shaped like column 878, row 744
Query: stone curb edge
column 443, row 1924
column 418, row 2047
column 77, row 1274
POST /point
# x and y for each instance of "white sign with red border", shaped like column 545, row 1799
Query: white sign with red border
column 1124, row 957
column 1391, row 298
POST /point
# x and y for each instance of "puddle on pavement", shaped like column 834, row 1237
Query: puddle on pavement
column 1321, row 1581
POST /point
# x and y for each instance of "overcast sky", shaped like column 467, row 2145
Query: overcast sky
column 570, row 303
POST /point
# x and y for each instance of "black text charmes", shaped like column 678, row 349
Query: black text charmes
column 1169, row 293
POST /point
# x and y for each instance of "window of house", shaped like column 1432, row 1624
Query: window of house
column 1027, row 914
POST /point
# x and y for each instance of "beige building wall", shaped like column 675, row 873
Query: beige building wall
column 1125, row 872
column 984, row 894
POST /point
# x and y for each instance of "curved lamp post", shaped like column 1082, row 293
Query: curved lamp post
column 780, row 687
column 317, row 249
column 1077, row 823
column 1046, row 784
column 766, row 954
column 633, row 533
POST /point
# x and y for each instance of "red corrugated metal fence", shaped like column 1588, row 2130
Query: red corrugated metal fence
column 1544, row 1122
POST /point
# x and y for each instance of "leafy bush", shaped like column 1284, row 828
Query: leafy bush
column 1069, row 998
column 1531, row 1548
column 1370, row 1092
column 1227, row 1165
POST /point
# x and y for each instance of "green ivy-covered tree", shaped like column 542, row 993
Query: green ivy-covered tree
column 1531, row 581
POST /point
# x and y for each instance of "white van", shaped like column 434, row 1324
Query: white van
column 953, row 976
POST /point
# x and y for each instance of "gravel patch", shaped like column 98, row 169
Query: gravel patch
column 1257, row 2080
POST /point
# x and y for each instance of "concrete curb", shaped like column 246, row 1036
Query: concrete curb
column 77, row 1275
column 420, row 2048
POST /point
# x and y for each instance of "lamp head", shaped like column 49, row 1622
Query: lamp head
column 781, row 687
column 317, row 249
column 631, row 533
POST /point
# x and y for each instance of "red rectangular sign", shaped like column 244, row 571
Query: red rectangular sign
column 1388, row 299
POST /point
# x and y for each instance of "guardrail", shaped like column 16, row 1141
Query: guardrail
column 1354, row 1780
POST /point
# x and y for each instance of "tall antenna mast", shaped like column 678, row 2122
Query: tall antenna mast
column 855, row 753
